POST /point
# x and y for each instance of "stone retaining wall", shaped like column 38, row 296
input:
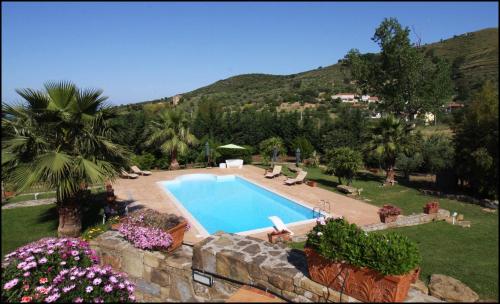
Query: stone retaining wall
column 161, row 277
column 409, row 220
column 493, row 204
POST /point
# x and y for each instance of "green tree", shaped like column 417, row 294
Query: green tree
column 437, row 153
column 390, row 138
column 267, row 148
column 408, row 82
column 344, row 163
column 476, row 142
column 171, row 132
column 409, row 163
column 61, row 137
column 305, row 146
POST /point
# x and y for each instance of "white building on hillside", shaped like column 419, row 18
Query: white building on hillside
column 345, row 97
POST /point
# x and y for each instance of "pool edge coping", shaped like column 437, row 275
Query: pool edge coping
column 204, row 232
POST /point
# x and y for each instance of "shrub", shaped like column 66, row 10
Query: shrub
column 388, row 210
column 144, row 161
column 339, row 241
column 305, row 146
column 343, row 163
column 52, row 269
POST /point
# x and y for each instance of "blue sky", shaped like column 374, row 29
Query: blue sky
column 142, row 51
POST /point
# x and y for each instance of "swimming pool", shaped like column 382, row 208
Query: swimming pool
column 231, row 203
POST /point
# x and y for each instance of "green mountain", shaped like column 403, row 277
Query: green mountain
column 474, row 57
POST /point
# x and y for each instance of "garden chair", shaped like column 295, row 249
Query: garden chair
column 279, row 225
column 125, row 174
column 276, row 172
column 136, row 170
column 297, row 180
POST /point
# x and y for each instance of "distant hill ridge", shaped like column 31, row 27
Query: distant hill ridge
column 474, row 54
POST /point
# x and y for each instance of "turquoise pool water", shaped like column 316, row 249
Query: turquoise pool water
column 231, row 203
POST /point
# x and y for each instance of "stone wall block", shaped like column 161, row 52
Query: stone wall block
column 153, row 258
column 160, row 277
column 229, row 264
column 132, row 262
column 147, row 288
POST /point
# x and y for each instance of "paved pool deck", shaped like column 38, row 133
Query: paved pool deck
column 145, row 191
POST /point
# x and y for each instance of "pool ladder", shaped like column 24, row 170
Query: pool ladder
column 317, row 210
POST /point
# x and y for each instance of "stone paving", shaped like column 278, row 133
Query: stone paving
column 30, row 203
column 146, row 192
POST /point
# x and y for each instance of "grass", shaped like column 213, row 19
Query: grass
column 467, row 254
column 27, row 224
column 27, row 197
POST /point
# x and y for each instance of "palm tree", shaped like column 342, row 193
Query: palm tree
column 172, row 134
column 60, row 138
column 390, row 137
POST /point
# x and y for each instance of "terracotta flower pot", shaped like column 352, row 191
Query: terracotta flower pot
column 115, row 226
column 364, row 284
column 9, row 194
column 279, row 237
column 388, row 218
column 177, row 234
column 311, row 183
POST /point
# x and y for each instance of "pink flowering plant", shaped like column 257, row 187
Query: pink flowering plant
column 146, row 237
column 29, row 274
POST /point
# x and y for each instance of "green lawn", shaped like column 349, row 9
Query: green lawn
column 468, row 254
column 27, row 224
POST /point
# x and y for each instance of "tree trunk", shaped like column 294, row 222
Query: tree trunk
column 70, row 220
column 174, row 164
column 389, row 177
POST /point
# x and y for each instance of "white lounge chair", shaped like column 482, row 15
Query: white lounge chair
column 136, row 170
column 234, row 163
column 297, row 180
column 276, row 172
column 279, row 225
column 125, row 174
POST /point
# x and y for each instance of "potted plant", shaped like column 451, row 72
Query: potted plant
column 279, row 236
column 389, row 213
column 171, row 224
column 367, row 266
column 311, row 183
column 431, row 207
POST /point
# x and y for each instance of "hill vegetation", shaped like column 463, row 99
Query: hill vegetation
column 472, row 55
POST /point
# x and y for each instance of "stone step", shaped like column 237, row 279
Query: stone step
column 247, row 294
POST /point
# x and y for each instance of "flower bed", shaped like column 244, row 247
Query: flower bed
column 370, row 267
column 59, row 270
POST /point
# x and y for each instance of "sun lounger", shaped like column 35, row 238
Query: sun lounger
column 136, row 170
column 276, row 172
column 279, row 225
column 297, row 180
column 125, row 174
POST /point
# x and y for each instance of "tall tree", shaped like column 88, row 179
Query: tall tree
column 61, row 137
column 171, row 132
column 476, row 142
column 401, row 74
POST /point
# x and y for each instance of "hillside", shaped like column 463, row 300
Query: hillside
column 474, row 57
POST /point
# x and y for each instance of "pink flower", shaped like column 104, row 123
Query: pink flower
column 89, row 289
column 121, row 285
column 74, row 253
column 43, row 280
column 10, row 284
column 97, row 281
column 90, row 275
column 108, row 288
column 62, row 263
column 52, row 298
column 113, row 279
column 78, row 300
column 43, row 260
column 26, row 299
column 26, row 274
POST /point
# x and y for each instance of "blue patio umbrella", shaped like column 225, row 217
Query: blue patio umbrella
column 297, row 157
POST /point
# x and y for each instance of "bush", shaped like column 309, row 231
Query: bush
column 343, row 163
column 53, row 269
column 339, row 241
column 144, row 161
column 305, row 146
column 267, row 148
column 409, row 164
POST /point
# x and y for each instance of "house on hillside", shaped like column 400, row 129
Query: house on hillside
column 345, row 97
column 373, row 99
column 452, row 106
column 176, row 99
